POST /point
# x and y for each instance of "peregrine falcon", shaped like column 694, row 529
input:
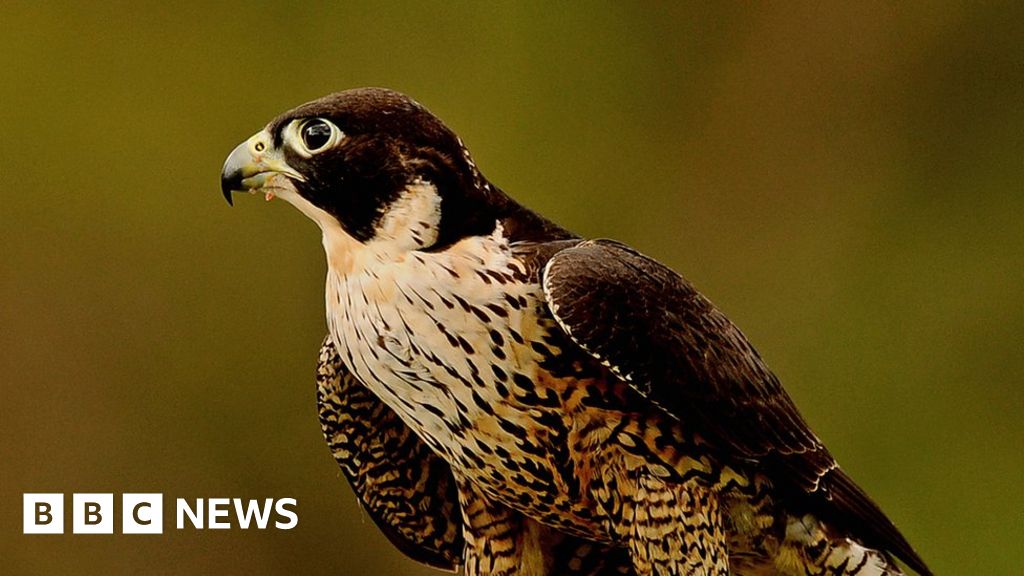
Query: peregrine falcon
column 510, row 398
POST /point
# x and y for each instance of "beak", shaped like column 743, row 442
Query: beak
column 231, row 175
column 251, row 164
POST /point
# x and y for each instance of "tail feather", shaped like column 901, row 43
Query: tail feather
column 867, row 521
column 808, row 550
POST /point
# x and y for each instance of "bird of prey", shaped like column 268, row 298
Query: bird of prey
column 510, row 398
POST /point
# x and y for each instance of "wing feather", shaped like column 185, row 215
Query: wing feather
column 406, row 489
column 659, row 334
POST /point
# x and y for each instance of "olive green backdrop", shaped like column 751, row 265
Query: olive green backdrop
column 846, row 182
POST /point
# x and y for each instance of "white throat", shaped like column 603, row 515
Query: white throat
column 410, row 223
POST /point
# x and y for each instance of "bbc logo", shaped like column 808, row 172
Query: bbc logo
column 93, row 513
column 144, row 513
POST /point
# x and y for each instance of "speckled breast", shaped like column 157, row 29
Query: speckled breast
column 463, row 349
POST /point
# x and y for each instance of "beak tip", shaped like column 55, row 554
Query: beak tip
column 232, row 173
column 227, row 195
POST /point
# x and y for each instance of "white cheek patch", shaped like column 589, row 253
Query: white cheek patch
column 411, row 222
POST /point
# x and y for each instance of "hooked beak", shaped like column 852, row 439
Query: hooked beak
column 251, row 164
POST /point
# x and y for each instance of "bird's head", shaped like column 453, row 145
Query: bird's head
column 373, row 164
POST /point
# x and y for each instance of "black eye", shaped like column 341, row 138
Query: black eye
column 316, row 134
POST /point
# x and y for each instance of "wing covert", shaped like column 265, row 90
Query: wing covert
column 671, row 344
column 408, row 490
column 655, row 331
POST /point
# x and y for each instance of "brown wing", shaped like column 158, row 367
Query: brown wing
column 407, row 489
column 674, row 347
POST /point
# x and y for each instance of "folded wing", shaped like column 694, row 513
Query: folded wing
column 666, row 340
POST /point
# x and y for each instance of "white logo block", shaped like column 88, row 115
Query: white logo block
column 92, row 514
column 42, row 513
column 142, row 514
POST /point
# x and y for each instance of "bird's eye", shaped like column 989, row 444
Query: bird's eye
column 316, row 134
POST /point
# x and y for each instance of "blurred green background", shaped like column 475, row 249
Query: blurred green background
column 845, row 181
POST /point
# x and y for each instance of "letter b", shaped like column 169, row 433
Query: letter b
column 92, row 514
column 43, row 514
